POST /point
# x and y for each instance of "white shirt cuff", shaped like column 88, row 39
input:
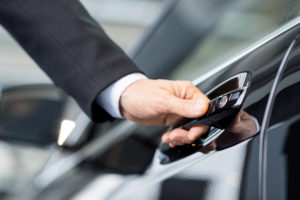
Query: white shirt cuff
column 110, row 97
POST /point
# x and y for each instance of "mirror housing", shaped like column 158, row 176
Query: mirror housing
column 31, row 114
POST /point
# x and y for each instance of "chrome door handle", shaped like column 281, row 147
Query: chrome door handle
column 222, row 110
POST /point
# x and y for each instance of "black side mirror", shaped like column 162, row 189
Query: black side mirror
column 31, row 114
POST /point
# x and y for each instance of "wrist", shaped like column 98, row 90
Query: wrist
column 109, row 98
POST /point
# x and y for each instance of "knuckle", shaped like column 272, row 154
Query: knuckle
column 169, row 106
column 188, row 83
column 163, row 104
column 176, row 106
column 190, row 140
column 172, row 136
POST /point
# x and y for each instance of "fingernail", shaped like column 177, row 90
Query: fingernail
column 164, row 138
column 171, row 144
column 192, row 136
column 198, row 107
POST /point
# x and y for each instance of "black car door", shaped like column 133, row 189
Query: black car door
column 278, row 178
column 230, row 173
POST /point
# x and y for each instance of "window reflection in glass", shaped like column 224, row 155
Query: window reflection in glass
column 241, row 24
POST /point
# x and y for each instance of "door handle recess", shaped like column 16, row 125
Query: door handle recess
column 222, row 110
column 227, row 101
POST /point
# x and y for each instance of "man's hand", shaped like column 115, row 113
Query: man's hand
column 163, row 102
column 242, row 128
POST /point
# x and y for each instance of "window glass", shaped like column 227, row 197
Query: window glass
column 282, row 138
column 283, row 152
column 239, row 24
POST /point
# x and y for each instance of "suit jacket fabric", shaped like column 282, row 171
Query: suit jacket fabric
column 69, row 46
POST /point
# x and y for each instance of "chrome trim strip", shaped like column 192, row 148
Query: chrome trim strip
column 248, row 50
column 242, row 77
column 263, row 139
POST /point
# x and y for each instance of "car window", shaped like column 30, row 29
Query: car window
column 283, row 137
column 240, row 24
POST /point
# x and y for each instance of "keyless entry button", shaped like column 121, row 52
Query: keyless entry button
column 235, row 96
column 222, row 102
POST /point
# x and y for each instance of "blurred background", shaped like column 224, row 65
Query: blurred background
column 123, row 20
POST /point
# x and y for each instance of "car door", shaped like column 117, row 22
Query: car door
column 220, row 175
column 280, row 172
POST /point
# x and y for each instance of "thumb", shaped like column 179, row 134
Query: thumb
column 189, row 108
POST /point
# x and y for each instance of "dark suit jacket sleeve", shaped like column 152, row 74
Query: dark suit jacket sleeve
column 69, row 46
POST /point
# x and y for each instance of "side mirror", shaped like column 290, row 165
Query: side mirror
column 31, row 114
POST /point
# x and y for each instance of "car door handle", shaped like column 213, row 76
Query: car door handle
column 222, row 110
column 227, row 101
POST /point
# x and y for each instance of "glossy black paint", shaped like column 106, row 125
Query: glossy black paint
column 262, row 63
column 282, row 141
